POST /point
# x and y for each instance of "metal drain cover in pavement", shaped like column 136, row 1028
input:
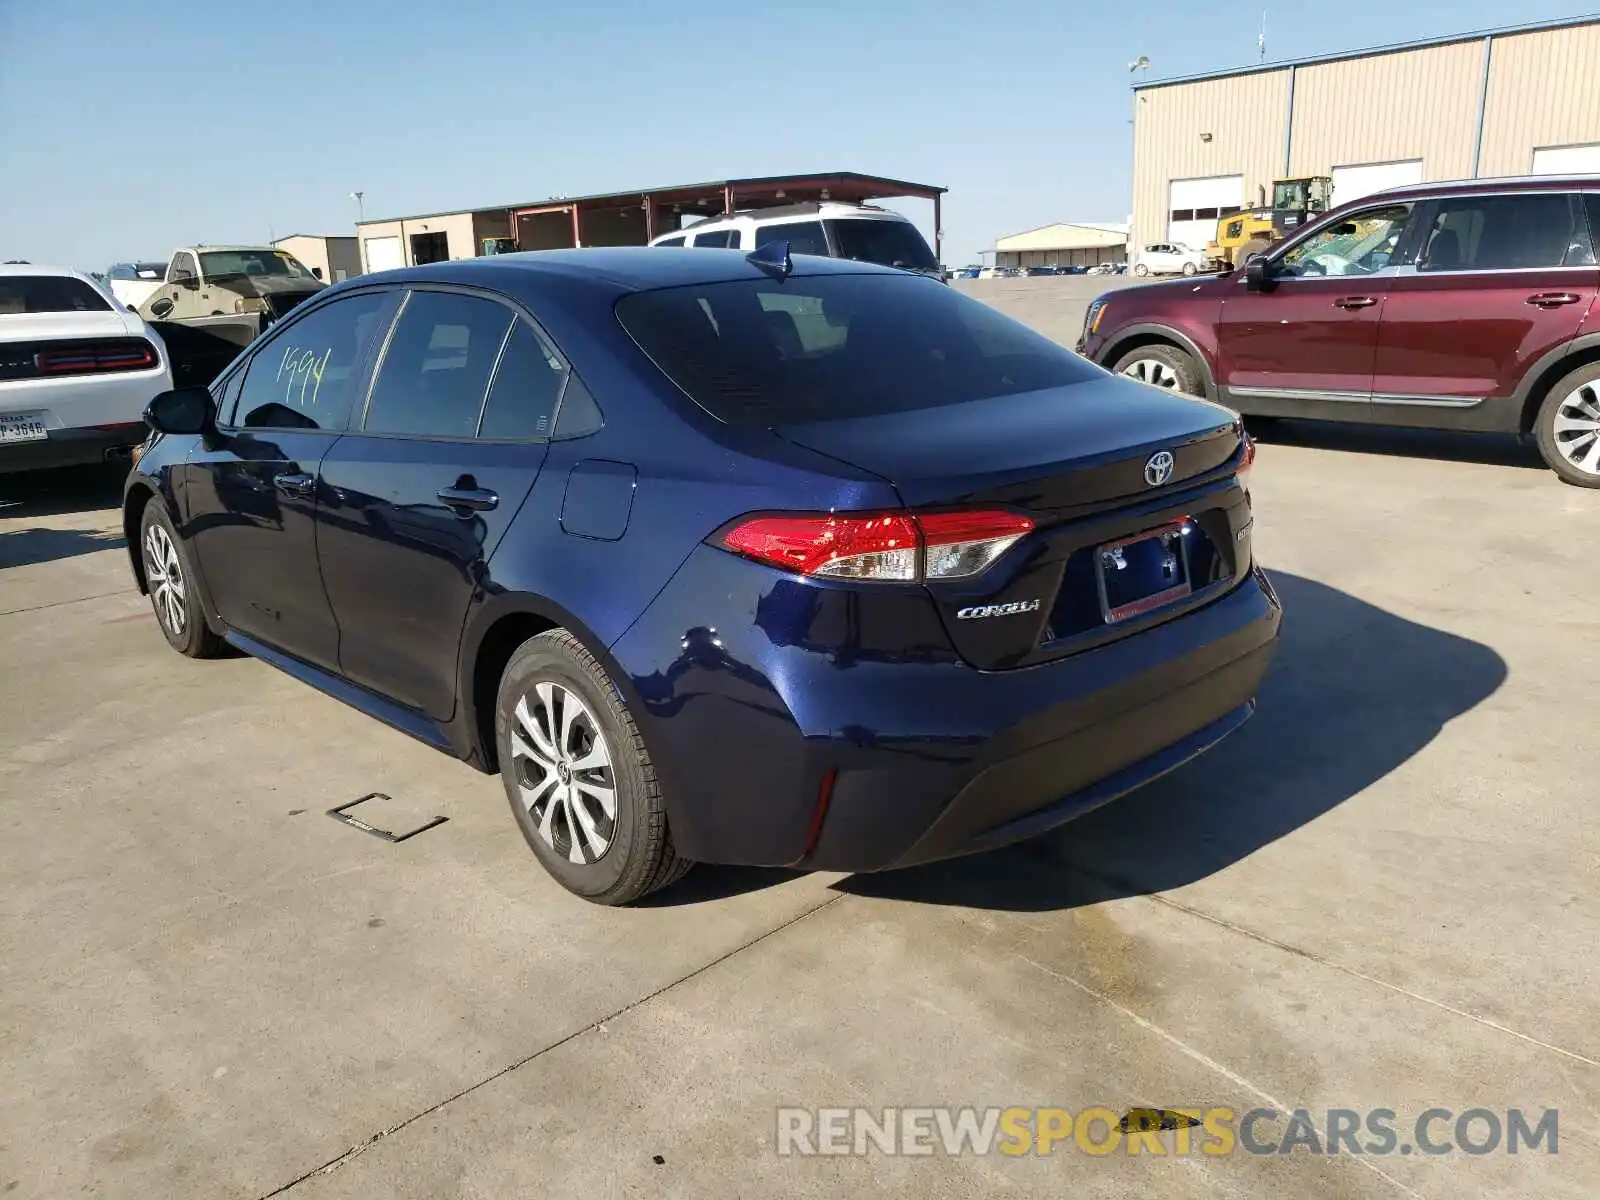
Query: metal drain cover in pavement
column 342, row 814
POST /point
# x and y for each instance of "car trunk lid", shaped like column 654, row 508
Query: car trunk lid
column 1096, row 466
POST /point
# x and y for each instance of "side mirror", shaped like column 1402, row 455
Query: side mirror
column 188, row 410
column 189, row 282
column 1257, row 274
column 317, row 271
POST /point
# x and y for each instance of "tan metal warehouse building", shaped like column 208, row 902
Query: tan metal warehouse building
column 1063, row 245
column 1513, row 101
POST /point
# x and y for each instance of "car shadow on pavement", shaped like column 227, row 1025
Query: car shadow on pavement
column 33, row 495
column 21, row 547
column 1353, row 693
column 1491, row 449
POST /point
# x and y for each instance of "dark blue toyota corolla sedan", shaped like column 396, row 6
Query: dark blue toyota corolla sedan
column 716, row 558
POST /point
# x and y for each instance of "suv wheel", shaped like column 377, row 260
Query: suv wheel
column 1568, row 427
column 170, row 582
column 579, row 779
column 1162, row 366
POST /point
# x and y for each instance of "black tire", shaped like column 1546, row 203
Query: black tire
column 638, row 857
column 1576, row 387
column 177, row 609
column 1181, row 364
column 1190, row 269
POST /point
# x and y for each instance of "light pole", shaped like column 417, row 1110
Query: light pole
column 361, row 207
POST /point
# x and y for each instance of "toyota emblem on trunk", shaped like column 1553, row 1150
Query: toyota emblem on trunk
column 1158, row 468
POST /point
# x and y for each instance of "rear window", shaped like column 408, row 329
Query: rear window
column 48, row 294
column 887, row 243
column 769, row 352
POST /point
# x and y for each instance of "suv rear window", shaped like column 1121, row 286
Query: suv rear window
column 763, row 352
column 887, row 243
column 48, row 294
column 804, row 237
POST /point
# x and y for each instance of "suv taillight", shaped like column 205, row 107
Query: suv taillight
column 884, row 547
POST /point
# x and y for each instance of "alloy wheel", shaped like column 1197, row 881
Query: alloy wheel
column 564, row 773
column 1152, row 371
column 1577, row 428
column 164, row 575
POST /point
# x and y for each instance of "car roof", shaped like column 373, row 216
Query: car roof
column 622, row 268
column 37, row 269
column 1506, row 183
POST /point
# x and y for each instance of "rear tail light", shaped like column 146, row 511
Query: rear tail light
column 885, row 547
column 1248, row 461
column 97, row 358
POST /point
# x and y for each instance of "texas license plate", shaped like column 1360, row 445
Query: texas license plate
column 1144, row 572
column 22, row 427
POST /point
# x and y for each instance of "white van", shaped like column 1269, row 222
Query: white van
column 856, row 231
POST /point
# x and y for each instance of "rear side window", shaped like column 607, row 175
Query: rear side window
column 1501, row 233
column 307, row 376
column 764, row 352
column 887, row 243
column 804, row 237
column 1592, row 203
column 526, row 386
column 48, row 294
column 719, row 238
column 436, row 370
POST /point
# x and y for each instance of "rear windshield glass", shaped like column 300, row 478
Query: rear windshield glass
column 887, row 243
column 770, row 352
column 48, row 294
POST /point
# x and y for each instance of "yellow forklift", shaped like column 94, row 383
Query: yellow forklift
column 1254, row 230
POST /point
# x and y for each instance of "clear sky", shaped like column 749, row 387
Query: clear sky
column 127, row 129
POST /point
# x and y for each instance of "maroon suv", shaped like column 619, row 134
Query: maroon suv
column 1466, row 305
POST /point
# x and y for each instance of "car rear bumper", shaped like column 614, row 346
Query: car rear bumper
column 73, row 448
column 773, row 755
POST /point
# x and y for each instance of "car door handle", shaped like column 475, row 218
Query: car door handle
column 295, row 483
column 474, row 498
column 1355, row 301
column 1553, row 299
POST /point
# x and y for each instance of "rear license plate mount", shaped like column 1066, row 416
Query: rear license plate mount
column 1144, row 571
column 23, row 427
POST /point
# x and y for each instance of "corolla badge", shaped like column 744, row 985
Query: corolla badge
column 1158, row 468
column 997, row 610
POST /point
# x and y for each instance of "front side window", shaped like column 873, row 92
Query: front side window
column 717, row 238
column 307, row 376
column 436, row 370
column 48, row 294
column 804, row 237
column 1505, row 233
column 1361, row 245
column 768, row 352
column 887, row 243
column 183, row 268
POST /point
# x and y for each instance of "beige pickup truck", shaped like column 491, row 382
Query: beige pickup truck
column 214, row 300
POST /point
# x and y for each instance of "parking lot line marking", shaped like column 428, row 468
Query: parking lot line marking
column 1198, row 1056
column 333, row 1164
column 1362, row 975
column 11, row 612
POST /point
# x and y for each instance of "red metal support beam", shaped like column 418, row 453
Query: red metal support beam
column 649, row 219
column 577, row 228
column 938, row 232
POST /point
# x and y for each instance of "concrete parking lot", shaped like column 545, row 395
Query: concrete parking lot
column 1381, row 894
